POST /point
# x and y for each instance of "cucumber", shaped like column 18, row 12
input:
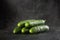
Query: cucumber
column 24, row 30
column 37, row 29
column 16, row 30
column 34, row 23
column 21, row 23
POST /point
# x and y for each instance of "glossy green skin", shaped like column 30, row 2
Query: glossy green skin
column 16, row 30
column 34, row 23
column 21, row 23
column 20, row 26
column 24, row 30
column 37, row 29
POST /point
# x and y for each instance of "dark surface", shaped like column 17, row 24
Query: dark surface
column 17, row 10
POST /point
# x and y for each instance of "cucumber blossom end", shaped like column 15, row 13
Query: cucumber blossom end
column 18, row 24
column 26, row 24
column 14, row 31
column 30, row 31
column 23, row 30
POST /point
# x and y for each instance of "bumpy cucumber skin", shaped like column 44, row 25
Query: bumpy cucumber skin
column 34, row 23
column 39, row 29
column 16, row 30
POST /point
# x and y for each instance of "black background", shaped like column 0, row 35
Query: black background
column 13, row 11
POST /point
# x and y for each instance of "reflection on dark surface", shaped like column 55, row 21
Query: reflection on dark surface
column 16, row 10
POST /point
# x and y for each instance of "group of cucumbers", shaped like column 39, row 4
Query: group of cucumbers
column 31, row 26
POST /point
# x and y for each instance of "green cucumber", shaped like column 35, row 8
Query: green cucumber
column 34, row 23
column 24, row 30
column 21, row 23
column 37, row 29
column 16, row 30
